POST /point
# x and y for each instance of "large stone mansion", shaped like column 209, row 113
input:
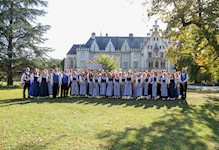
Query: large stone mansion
column 142, row 53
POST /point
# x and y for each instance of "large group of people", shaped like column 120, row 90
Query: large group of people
column 154, row 84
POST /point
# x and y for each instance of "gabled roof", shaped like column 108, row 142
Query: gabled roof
column 134, row 42
column 74, row 48
column 156, row 47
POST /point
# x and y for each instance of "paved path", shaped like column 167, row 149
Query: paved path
column 203, row 87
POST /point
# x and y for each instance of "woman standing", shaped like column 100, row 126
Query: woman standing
column 90, row 84
column 116, row 88
column 83, row 84
column 172, row 86
column 34, row 80
column 122, row 85
column 139, row 86
column 177, row 92
column 96, row 85
column 74, row 84
column 109, row 90
column 43, row 84
column 146, row 77
column 102, row 84
column 128, row 85
column 49, row 81
column 164, row 86
column 154, row 85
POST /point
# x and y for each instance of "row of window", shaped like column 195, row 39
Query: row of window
column 135, row 65
column 156, row 54
column 150, row 65
column 150, row 46
column 125, row 57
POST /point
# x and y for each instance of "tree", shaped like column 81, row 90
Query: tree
column 104, row 59
column 193, row 26
column 202, row 64
column 20, row 35
column 186, row 14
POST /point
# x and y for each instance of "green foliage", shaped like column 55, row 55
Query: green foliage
column 21, row 35
column 193, row 26
column 104, row 59
column 82, row 123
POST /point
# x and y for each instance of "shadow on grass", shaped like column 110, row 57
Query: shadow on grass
column 101, row 101
column 172, row 131
column 37, row 145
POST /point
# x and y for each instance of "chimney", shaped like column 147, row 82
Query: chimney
column 93, row 35
column 148, row 34
column 130, row 34
column 106, row 34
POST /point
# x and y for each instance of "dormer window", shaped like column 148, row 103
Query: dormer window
column 161, row 55
column 82, row 55
column 156, row 53
column 149, row 55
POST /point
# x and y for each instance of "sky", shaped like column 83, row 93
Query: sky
column 73, row 21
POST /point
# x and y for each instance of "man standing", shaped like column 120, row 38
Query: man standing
column 65, row 81
column 183, row 84
column 25, row 82
column 55, row 78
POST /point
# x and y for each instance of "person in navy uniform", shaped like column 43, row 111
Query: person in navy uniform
column 65, row 81
column 25, row 81
column 183, row 84
column 55, row 79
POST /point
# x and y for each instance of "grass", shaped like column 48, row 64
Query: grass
column 82, row 123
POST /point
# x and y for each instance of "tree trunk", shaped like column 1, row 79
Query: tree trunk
column 10, row 48
column 9, row 74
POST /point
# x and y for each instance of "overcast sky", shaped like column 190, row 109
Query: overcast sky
column 73, row 21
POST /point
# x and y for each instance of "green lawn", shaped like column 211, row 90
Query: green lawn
column 84, row 123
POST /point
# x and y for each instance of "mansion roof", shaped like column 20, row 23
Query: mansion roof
column 133, row 43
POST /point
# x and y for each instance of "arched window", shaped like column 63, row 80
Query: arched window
column 71, row 63
column 150, row 64
column 156, row 64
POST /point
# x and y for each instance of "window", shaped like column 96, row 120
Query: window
column 135, row 65
column 156, row 64
column 94, row 56
column 163, row 65
column 82, row 64
column 125, row 65
column 148, row 46
column 161, row 55
column 163, row 47
column 150, row 64
column 157, row 39
column 160, row 47
column 71, row 63
column 149, row 55
column 151, row 47
column 156, row 53
column 125, row 57
column 82, row 55
column 135, row 56
column 154, row 38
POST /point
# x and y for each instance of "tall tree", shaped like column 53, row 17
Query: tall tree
column 193, row 25
column 186, row 14
column 21, row 35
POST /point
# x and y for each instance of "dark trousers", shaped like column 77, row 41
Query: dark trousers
column 55, row 89
column 64, row 90
column 183, row 90
column 26, row 86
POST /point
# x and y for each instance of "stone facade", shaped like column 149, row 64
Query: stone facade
column 142, row 53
